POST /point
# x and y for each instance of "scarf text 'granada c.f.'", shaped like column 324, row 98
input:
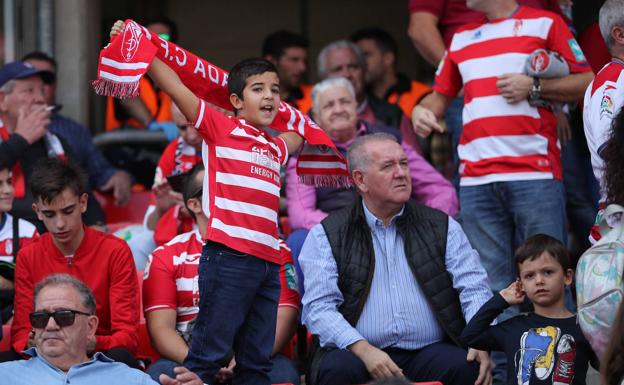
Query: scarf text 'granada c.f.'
column 127, row 58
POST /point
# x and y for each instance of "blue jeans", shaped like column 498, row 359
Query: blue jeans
column 237, row 311
column 283, row 371
column 453, row 120
column 498, row 216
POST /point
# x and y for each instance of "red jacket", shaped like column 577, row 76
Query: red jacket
column 105, row 264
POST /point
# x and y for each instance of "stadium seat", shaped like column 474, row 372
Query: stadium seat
column 133, row 212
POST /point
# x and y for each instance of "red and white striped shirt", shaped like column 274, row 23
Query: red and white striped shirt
column 171, row 278
column 502, row 141
column 242, row 183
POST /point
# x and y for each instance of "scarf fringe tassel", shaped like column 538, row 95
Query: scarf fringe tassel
column 115, row 89
column 337, row 181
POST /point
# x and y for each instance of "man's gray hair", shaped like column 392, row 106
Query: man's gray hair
column 340, row 44
column 358, row 157
column 88, row 299
column 611, row 15
column 7, row 87
column 326, row 84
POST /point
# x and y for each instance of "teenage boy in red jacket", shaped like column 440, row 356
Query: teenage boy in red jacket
column 100, row 260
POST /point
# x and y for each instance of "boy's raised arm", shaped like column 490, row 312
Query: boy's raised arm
column 168, row 80
column 170, row 83
column 293, row 141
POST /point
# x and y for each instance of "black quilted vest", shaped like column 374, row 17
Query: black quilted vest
column 424, row 232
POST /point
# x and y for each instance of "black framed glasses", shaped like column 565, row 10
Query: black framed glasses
column 63, row 318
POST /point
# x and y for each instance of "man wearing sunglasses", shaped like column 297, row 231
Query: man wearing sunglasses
column 63, row 322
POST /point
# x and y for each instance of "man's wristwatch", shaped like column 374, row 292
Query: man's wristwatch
column 536, row 90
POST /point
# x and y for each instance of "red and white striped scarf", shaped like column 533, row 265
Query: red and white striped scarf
column 126, row 59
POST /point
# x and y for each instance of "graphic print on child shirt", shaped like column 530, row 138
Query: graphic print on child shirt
column 545, row 352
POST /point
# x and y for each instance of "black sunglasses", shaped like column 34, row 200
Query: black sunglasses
column 63, row 318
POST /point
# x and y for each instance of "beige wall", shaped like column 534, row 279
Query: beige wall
column 227, row 31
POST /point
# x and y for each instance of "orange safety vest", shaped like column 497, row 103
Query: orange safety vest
column 408, row 99
column 157, row 102
column 304, row 104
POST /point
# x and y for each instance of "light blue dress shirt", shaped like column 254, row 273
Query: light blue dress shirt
column 396, row 313
column 99, row 370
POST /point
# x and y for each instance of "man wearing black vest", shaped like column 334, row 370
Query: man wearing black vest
column 390, row 284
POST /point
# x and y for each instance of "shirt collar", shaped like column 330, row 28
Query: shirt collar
column 373, row 221
column 98, row 356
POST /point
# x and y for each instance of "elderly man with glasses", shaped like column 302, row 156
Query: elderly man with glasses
column 63, row 322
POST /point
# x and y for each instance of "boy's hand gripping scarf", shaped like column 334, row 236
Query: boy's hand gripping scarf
column 127, row 58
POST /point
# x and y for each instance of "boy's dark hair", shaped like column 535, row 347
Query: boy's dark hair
column 237, row 79
column 537, row 244
column 278, row 42
column 4, row 165
column 192, row 186
column 39, row 55
column 51, row 176
column 384, row 41
column 173, row 28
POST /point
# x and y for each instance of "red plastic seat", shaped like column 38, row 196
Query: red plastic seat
column 133, row 212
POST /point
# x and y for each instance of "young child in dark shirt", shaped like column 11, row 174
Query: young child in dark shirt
column 545, row 346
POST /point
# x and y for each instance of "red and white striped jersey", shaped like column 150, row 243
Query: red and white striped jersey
column 171, row 278
column 27, row 233
column 603, row 100
column 242, row 183
column 502, row 141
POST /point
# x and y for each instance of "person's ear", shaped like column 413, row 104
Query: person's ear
column 520, row 286
column 359, row 180
column 568, row 276
column 237, row 102
column 3, row 106
column 92, row 324
column 617, row 33
column 388, row 59
column 35, row 208
column 82, row 202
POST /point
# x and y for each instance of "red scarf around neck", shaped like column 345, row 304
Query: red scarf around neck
column 126, row 59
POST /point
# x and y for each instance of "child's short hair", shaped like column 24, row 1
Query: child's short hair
column 4, row 165
column 192, row 187
column 237, row 78
column 537, row 244
column 51, row 176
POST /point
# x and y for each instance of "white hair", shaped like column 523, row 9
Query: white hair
column 340, row 44
column 611, row 15
column 326, row 84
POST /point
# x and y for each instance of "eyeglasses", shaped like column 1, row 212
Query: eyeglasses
column 63, row 318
